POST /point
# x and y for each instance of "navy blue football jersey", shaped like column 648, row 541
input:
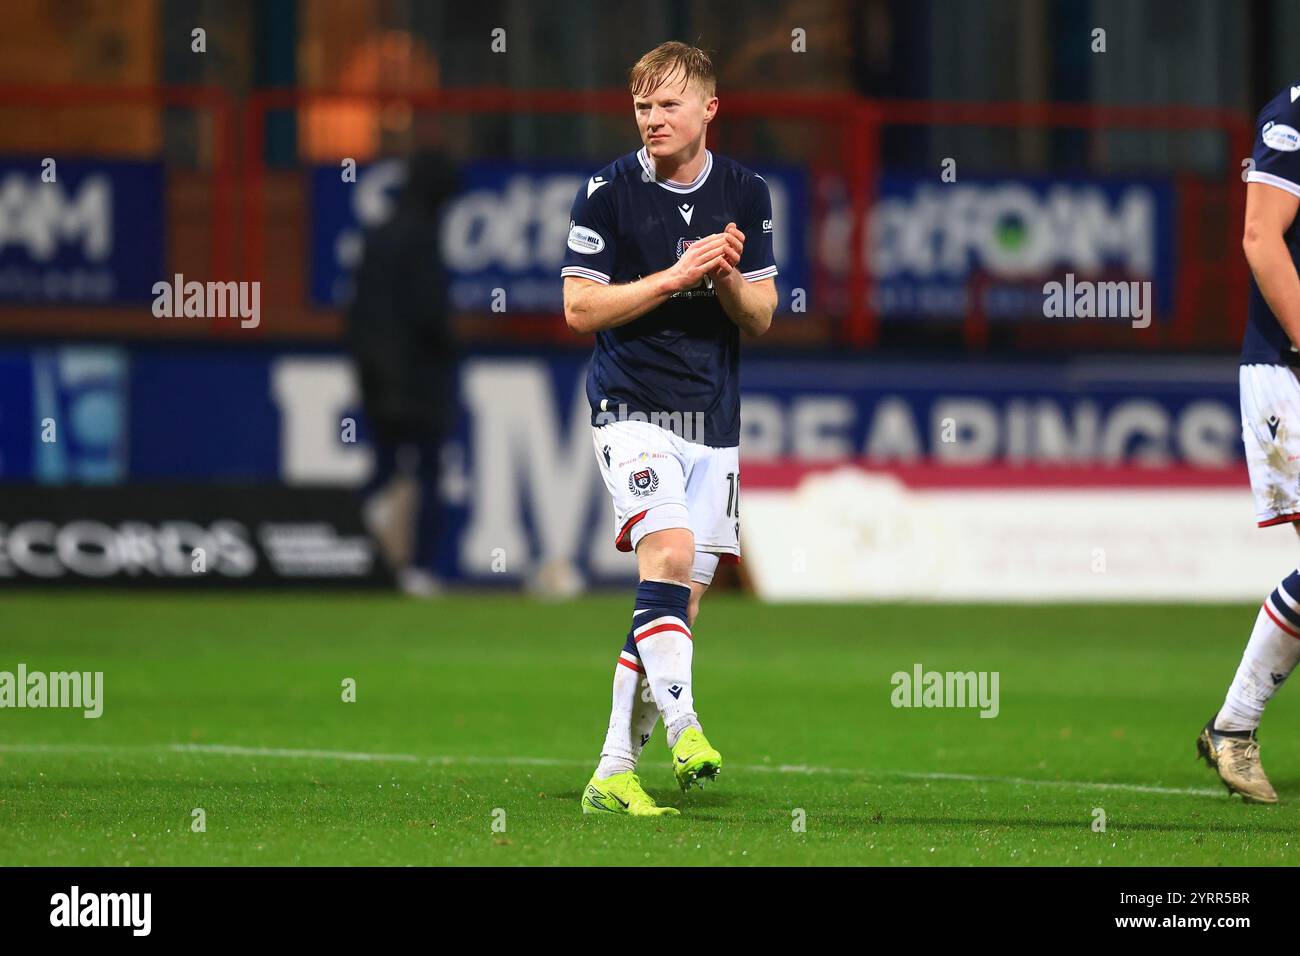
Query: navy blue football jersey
column 683, row 356
column 1277, row 163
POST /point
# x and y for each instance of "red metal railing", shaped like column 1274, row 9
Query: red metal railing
column 860, row 123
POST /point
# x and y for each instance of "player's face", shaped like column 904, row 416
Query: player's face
column 672, row 117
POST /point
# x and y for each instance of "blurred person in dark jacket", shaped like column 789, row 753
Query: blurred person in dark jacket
column 398, row 330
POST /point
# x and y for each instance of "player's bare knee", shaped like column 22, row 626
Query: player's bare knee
column 666, row 555
column 673, row 563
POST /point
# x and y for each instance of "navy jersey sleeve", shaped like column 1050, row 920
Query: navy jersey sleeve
column 591, row 245
column 1277, row 146
column 757, row 261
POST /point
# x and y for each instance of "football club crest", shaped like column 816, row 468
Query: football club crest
column 642, row 483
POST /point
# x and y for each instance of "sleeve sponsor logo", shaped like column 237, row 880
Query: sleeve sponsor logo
column 1281, row 137
column 585, row 241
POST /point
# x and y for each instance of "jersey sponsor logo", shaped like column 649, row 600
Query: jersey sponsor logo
column 594, row 183
column 704, row 289
column 687, row 210
column 643, row 483
column 767, row 225
column 1279, row 136
column 586, row 241
column 642, row 457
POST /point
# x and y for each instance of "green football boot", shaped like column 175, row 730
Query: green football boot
column 694, row 760
column 622, row 793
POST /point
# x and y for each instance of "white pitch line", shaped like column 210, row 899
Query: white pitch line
column 231, row 750
column 350, row 755
column 1130, row 787
column 975, row 778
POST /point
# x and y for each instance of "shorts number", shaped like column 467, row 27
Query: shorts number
column 733, row 494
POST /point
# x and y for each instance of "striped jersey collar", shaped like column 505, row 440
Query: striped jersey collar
column 643, row 157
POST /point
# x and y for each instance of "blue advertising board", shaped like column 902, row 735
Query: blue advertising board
column 85, row 232
column 519, row 472
column 505, row 231
column 930, row 239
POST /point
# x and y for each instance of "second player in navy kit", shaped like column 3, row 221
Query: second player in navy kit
column 669, row 258
column 1270, row 431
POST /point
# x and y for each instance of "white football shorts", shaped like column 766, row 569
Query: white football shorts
column 1270, row 430
column 659, row 480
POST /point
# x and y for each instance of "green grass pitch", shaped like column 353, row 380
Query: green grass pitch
column 483, row 709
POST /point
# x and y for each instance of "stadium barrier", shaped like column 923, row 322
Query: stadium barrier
column 1080, row 479
column 1000, row 534
column 196, row 537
